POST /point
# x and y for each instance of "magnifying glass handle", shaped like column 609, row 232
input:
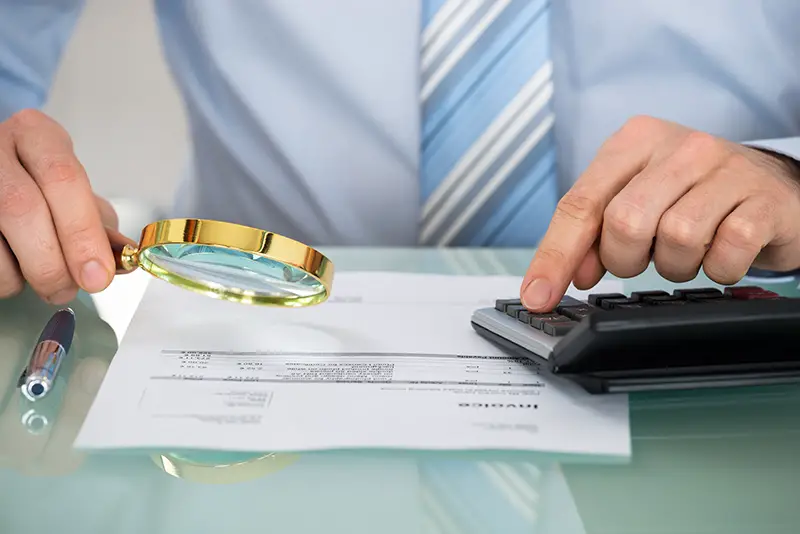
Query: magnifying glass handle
column 118, row 243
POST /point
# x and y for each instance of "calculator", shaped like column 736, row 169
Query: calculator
column 655, row 340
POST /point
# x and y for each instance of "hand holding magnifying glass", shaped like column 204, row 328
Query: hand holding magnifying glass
column 51, row 235
column 228, row 261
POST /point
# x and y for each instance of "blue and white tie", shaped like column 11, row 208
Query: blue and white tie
column 488, row 175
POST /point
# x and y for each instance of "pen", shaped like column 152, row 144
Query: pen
column 54, row 343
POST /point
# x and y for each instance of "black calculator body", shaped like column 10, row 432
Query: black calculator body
column 654, row 340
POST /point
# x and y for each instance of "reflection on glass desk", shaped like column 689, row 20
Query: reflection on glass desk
column 706, row 461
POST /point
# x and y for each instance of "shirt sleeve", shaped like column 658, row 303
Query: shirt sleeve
column 788, row 146
column 33, row 34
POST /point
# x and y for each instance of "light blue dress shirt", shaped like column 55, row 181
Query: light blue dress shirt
column 304, row 115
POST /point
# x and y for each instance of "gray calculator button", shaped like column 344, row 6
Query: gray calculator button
column 557, row 329
column 540, row 319
column 568, row 301
column 502, row 304
column 514, row 309
column 576, row 313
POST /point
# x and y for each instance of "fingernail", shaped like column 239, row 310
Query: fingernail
column 94, row 277
column 537, row 294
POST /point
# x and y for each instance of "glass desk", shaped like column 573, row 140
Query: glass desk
column 721, row 461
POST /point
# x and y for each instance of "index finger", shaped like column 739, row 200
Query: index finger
column 578, row 218
column 45, row 150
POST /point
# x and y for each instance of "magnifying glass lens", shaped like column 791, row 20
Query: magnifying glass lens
column 222, row 269
column 228, row 261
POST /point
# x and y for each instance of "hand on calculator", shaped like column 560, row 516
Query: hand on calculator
column 684, row 199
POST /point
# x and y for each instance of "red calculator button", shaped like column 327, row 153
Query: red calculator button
column 750, row 293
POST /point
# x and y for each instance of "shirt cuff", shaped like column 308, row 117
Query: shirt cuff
column 788, row 146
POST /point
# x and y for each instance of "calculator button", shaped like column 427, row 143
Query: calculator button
column 597, row 299
column 630, row 306
column 525, row 316
column 568, row 301
column 576, row 313
column 698, row 292
column 694, row 300
column 513, row 309
column 706, row 297
column 768, row 295
column 660, row 299
column 750, row 293
column 502, row 304
column 669, row 302
column 610, row 304
column 538, row 320
column 637, row 296
column 557, row 329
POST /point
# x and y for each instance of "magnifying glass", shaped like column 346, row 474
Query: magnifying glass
column 228, row 261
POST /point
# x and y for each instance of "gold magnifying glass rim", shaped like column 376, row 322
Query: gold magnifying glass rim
column 237, row 237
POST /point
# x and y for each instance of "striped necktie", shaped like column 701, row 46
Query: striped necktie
column 488, row 166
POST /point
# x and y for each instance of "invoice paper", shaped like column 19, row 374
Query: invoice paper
column 389, row 361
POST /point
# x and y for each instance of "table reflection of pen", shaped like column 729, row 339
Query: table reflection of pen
column 39, row 376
